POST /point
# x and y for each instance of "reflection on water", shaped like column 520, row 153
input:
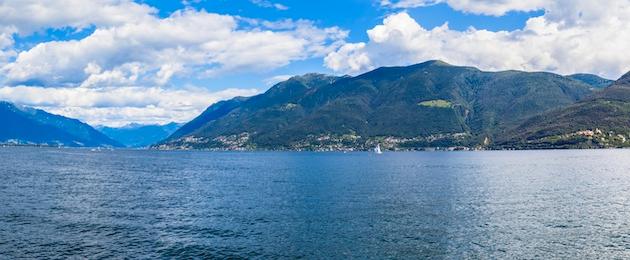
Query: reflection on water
column 534, row 204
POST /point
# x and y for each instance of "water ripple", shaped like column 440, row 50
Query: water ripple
column 73, row 203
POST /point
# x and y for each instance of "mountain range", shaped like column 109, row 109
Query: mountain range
column 139, row 136
column 600, row 120
column 423, row 106
column 432, row 104
column 593, row 80
column 27, row 126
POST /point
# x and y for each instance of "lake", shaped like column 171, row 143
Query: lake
column 59, row 203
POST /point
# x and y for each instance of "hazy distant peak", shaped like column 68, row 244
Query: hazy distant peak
column 590, row 79
column 137, row 125
column 586, row 75
column 624, row 80
column 35, row 126
column 140, row 135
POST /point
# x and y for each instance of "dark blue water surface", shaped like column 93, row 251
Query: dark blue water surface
column 58, row 203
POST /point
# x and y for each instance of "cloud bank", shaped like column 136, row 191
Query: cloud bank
column 151, row 51
column 127, row 69
column 121, row 105
column 487, row 7
column 572, row 36
column 123, row 71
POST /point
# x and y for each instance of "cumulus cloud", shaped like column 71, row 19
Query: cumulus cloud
column 121, row 105
column 269, row 4
column 572, row 36
column 27, row 16
column 195, row 42
column 122, row 72
column 487, row 7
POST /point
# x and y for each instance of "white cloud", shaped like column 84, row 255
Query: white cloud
column 487, row 7
column 351, row 57
column 572, row 36
column 195, row 42
column 6, row 44
column 124, row 75
column 25, row 17
column 269, row 4
column 122, row 105
column 190, row 2
column 28, row 16
column 122, row 71
column 409, row 3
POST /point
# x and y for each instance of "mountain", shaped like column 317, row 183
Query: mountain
column 138, row 136
column 599, row 121
column 424, row 105
column 214, row 112
column 593, row 80
column 23, row 125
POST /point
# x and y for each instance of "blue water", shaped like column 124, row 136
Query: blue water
column 59, row 203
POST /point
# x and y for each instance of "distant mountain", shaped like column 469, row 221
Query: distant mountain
column 138, row 136
column 601, row 120
column 425, row 105
column 24, row 125
column 593, row 80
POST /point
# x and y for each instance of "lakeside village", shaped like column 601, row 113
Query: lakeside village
column 596, row 138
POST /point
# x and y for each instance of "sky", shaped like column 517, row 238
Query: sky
column 115, row 62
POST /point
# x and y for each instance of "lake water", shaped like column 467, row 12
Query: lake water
column 58, row 203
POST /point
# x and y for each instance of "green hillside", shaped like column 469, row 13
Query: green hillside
column 599, row 121
column 432, row 104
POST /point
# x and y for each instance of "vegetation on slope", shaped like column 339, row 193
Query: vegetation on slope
column 599, row 121
column 424, row 105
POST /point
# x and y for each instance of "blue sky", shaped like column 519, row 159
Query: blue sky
column 114, row 62
column 356, row 16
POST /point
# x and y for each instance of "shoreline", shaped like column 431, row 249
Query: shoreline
column 432, row 150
